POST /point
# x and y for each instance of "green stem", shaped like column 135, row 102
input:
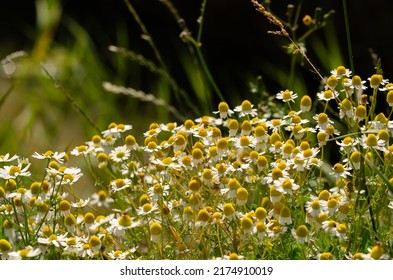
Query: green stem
column 349, row 42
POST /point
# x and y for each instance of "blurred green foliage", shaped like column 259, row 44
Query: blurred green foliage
column 53, row 98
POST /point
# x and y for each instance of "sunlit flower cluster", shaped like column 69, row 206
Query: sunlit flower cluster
column 305, row 185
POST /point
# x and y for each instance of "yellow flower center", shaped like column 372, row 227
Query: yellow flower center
column 375, row 80
column 356, row 80
column 124, row 220
column 371, row 140
column 322, row 118
column 246, row 105
column 242, row 194
column 5, row 245
column 246, row 223
column 223, row 107
column 277, row 173
column 14, row 170
column 120, row 183
column 89, row 218
column 332, row 81
column 328, row 94
column 315, row 205
column 302, row 231
column 203, row 215
column 326, row 256
column 285, row 212
column 340, row 70
column 338, row 168
column 65, row 205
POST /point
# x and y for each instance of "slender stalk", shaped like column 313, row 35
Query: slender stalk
column 348, row 33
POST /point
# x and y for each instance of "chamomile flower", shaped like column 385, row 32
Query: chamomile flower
column 314, row 207
column 7, row 158
column 202, row 218
column 286, row 185
column 301, row 234
column 147, row 209
column 120, row 184
column 341, row 72
column 286, row 96
column 372, row 141
column 327, row 95
column 26, row 253
column 114, row 130
column 52, row 239
column 119, row 226
column 59, row 157
column 101, row 199
column 120, row 154
column 228, row 211
column 224, row 110
column 14, row 171
column 246, row 109
column 376, row 80
column 341, row 171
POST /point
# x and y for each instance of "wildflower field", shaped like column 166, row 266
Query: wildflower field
column 295, row 176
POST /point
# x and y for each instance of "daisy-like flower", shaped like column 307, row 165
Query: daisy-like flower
column 81, row 150
column 224, row 110
column 152, row 147
column 80, row 203
column 348, row 144
column 341, row 72
column 246, row 109
column 120, row 255
column 59, row 157
column 228, row 211
column 7, row 158
column 120, row 184
column 330, row 226
column 376, row 253
column 118, row 226
column 376, row 80
column 171, row 126
column 15, row 171
column 286, row 96
column 305, row 103
column 115, row 130
column 101, row 199
column 233, row 256
column 314, row 207
column 158, row 190
column 69, row 175
column 286, row 185
column 372, row 141
column 72, row 245
column 341, row 171
column 147, row 209
column 275, row 229
column 323, row 121
column 52, row 239
column 346, row 109
column 301, row 234
column 285, row 216
column 247, row 226
column 120, row 154
column 326, row 256
column 327, row 95
column 241, row 196
column 26, row 253
column 202, row 218
column 356, row 83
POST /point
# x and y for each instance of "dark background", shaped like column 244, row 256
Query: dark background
column 235, row 39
